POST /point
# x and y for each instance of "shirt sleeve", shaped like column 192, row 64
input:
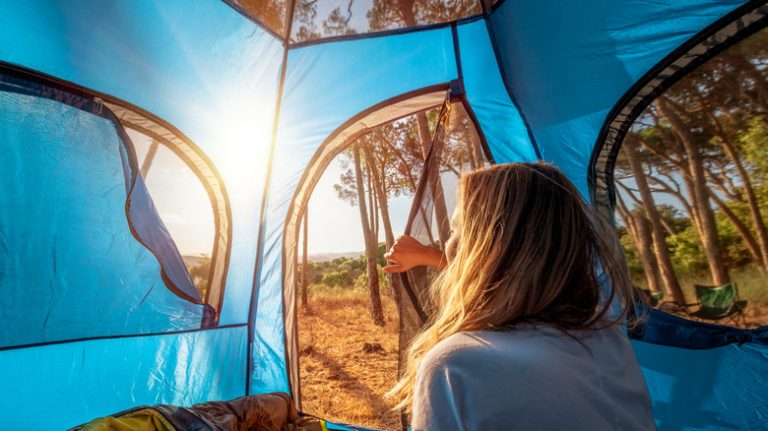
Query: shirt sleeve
column 437, row 399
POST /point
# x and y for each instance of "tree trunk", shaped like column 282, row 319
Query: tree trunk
column 380, row 189
column 372, row 204
column 406, row 12
column 640, row 228
column 693, row 208
column 149, row 158
column 659, row 242
column 477, row 149
column 375, row 308
column 706, row 215
column 305, row 262
column 752, row 201
column 436, row 185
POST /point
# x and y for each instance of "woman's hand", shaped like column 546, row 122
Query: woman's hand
column 407, row 253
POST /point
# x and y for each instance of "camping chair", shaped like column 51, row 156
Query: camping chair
column 719, row 302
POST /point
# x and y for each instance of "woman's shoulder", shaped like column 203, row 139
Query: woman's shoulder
column 523, row 344
column 473, row 347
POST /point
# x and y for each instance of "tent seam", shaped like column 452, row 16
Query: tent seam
column 255, row 286
column 115, row 337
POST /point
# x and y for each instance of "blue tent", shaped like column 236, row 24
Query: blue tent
column 99, row 313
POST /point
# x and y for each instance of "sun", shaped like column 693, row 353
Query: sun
column 242, row 146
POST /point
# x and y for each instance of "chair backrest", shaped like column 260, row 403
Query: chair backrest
column 716, row 300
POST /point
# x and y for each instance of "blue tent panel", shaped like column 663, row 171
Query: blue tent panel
column 325, row 86
column 499, row 119
column 201, row 66
column 62, row 385
column 71, row 267
column 707, row 389
column 569, row 63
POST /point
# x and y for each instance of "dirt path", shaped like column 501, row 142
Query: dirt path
column 341, row 380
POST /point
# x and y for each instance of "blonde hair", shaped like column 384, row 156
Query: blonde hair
column 530, row 250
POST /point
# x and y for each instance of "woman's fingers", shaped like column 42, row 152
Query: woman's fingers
column 405, row 253
column 392, row 268
column 392, row 264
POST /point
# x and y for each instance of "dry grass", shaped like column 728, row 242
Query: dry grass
column 340, row 381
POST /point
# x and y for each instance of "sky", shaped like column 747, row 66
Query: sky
column 183, row 205
column 334, row 225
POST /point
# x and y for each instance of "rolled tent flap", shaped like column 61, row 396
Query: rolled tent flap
column 151, row 232
column 210, row 178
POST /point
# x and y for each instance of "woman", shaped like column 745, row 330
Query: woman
column 526, row 335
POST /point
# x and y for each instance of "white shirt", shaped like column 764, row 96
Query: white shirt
column 532, row 378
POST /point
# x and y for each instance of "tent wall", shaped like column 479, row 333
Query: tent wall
column 59, row 386
column 325, row 85
column 700, row 376
column 712, row 389
column 710, row 42
column 569, row 63
column 209, row 72
column 103, row 243
column 200, row 66
column 500, row 121
column 213, row 74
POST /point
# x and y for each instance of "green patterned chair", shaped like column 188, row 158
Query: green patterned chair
column 719, row 302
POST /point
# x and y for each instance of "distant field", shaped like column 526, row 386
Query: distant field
column 339, row 380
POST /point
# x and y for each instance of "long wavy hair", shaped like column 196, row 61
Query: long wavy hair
column 530, row 249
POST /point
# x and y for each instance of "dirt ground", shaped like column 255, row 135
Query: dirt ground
column 341, row 379
column 756, row 315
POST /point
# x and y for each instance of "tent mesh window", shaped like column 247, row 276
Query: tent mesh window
column 321, row 19
column 84, row 253
column 269, row 13
column 183, row 205
column 417, row 158
column 691, row 180
column 190, row 197
column 455, row 148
